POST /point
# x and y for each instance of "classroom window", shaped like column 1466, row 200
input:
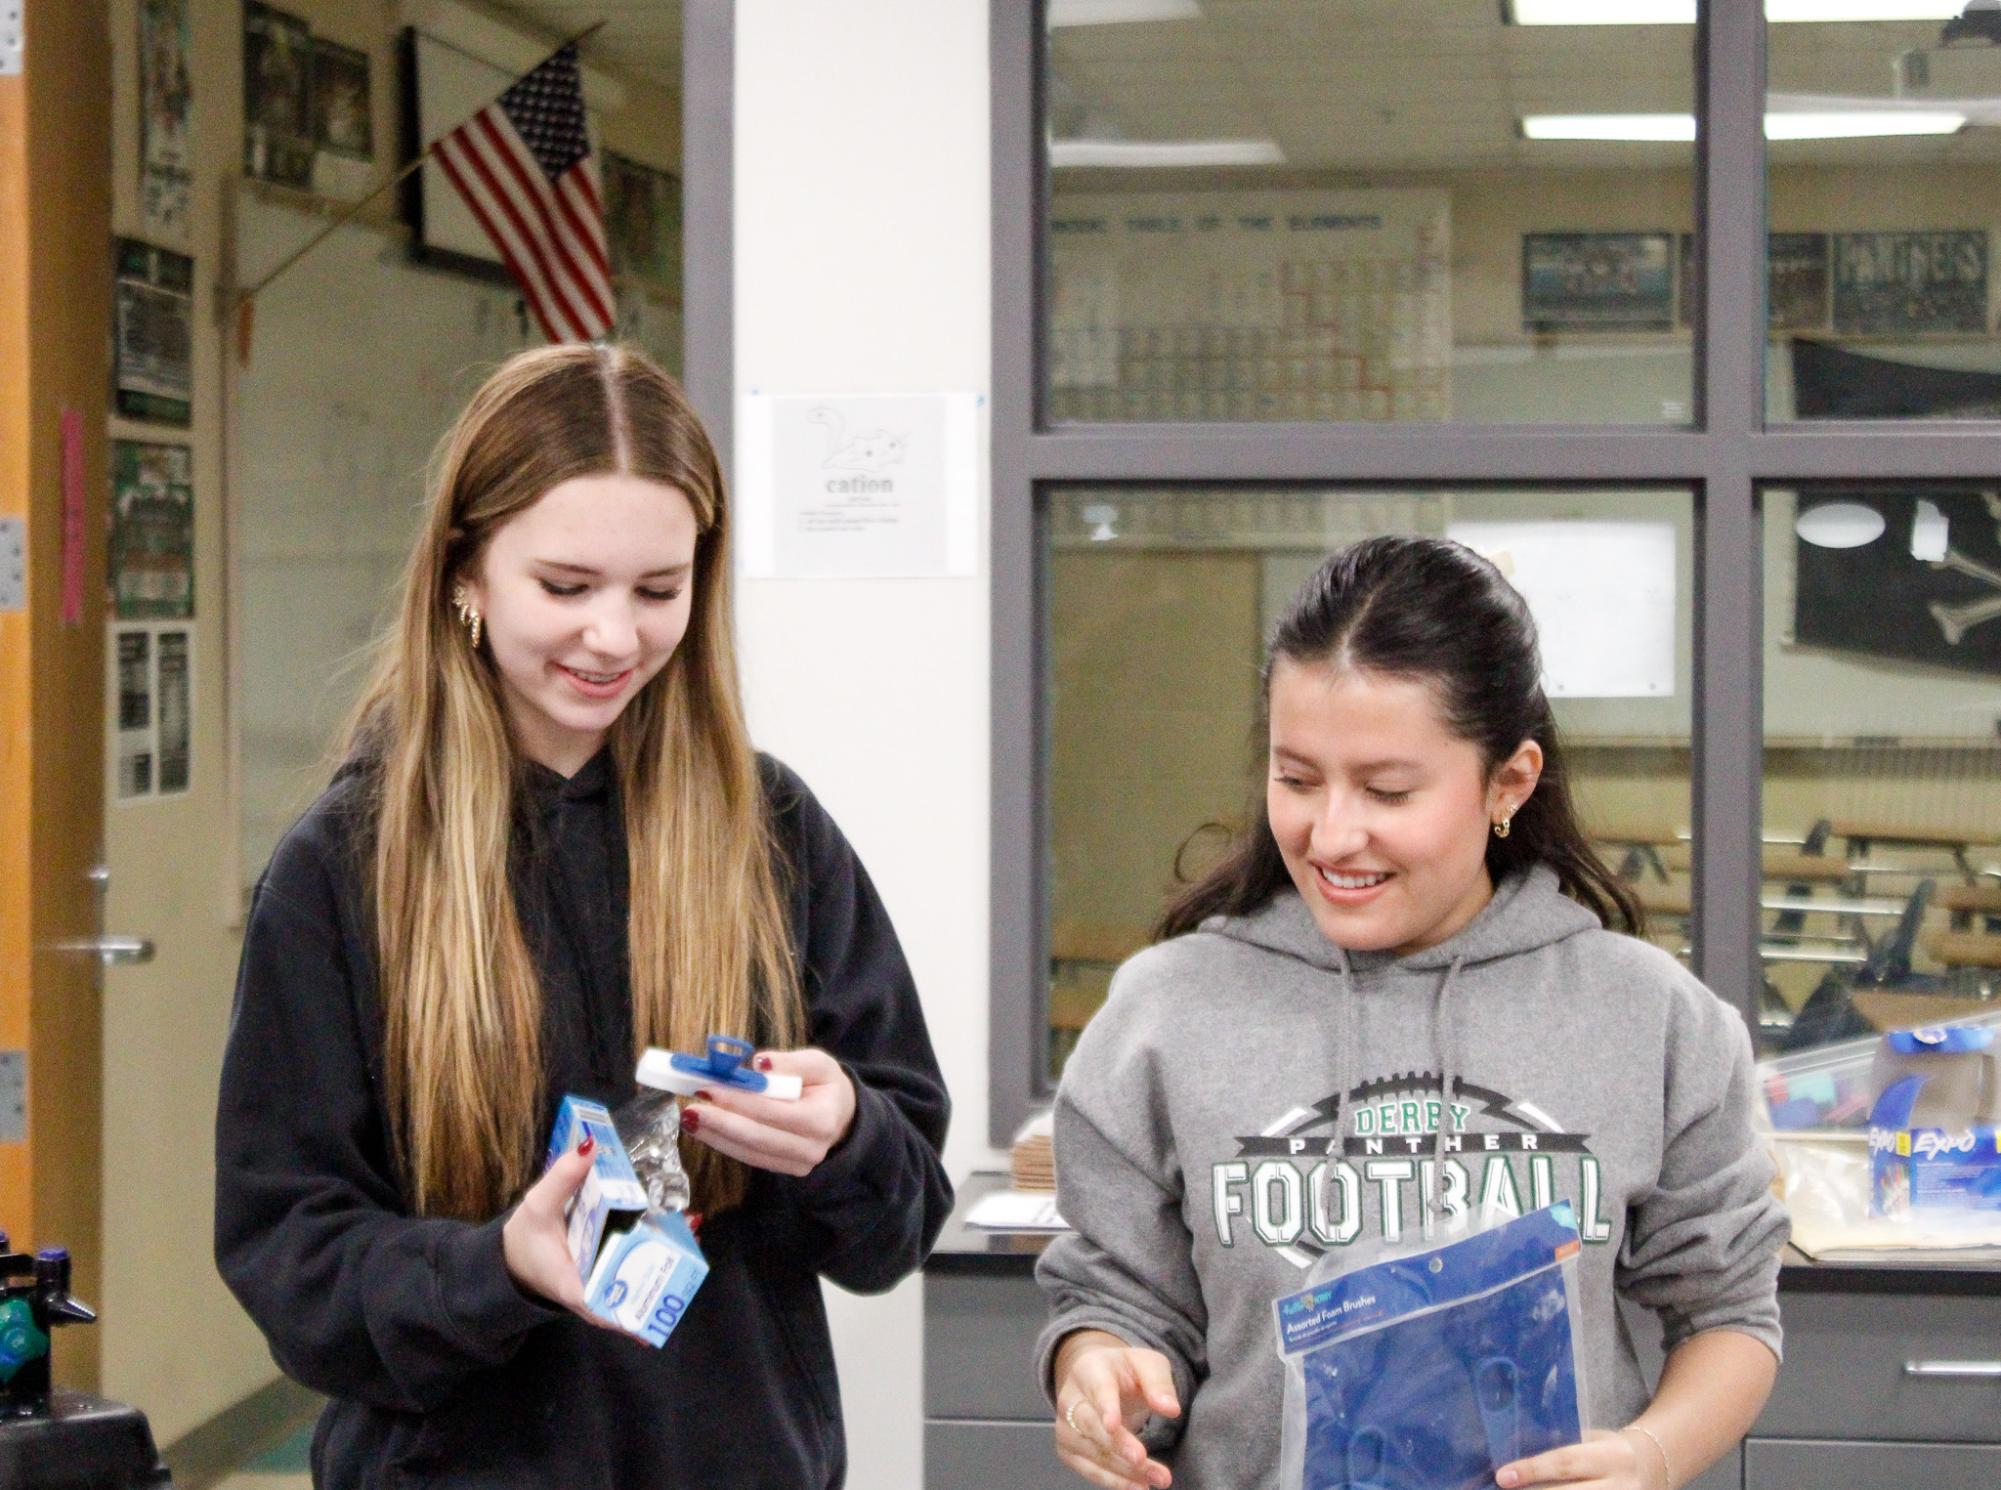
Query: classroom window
column 1158, row 602
column 1313, row 211
column 1881, row 189
column 1881, row 897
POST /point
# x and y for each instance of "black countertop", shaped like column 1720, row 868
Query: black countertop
column 964, row 1250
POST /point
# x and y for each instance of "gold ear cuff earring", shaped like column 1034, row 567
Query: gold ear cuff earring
column 468, row 616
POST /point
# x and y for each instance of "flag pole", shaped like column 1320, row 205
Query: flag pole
column 355, row 209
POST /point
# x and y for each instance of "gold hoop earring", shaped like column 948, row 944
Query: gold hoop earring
column 1501, row 827
column 468, row 617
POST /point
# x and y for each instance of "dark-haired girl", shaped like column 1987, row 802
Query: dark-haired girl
column 1402, row 999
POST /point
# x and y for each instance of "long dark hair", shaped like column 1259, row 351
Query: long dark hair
column 1431, row 611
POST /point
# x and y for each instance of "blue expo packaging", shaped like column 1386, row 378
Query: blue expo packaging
column 639, row 1266
column 1933, row 1141
column 1430, row 1371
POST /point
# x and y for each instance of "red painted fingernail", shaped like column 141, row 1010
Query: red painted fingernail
column 705, row 1095
column 764, row 1063
column 691, row 1120
column 695, row 1222
column 590, row 1142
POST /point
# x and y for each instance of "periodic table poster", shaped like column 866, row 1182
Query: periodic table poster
column 1308, row 305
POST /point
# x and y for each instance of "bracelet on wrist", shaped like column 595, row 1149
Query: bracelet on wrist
column 1667, row 1464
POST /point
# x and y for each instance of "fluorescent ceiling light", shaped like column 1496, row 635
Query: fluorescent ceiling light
column 1593, row 13
column 1862, row 126
column 1120, row 12
column 1859, row 125
column 1682, row 12
column 1144, row 153
column 1609, row 126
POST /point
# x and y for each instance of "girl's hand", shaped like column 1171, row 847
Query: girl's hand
column 1105, row 1390
column 535, row 1242
column 1604, row 1461
column 785, row 1137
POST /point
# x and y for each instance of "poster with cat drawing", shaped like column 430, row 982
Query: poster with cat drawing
column 860, row 486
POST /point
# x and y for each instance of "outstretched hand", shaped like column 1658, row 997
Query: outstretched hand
column 1105, row 1391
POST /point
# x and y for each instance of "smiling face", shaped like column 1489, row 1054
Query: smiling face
column 585, row 595
column 1380, row 812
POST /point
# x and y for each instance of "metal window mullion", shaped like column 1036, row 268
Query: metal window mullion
column 1728, row 714
column 708, row 190
column 1017, row 993
column 1878, row 450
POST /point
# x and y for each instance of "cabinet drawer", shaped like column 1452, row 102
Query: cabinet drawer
column 979, row 1348
column 986, row 1456
column 1848, row 1370
column 1799, row 1464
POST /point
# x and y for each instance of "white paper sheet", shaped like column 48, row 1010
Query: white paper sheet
column 859, row 486
column 1017, row 1210
column 1603, row 596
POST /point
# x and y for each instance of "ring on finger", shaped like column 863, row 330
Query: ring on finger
column 1070, row 1415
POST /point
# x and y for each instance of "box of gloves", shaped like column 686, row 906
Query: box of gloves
column 640, row 1265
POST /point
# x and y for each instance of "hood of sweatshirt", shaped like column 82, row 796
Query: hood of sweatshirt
column 1528, row 911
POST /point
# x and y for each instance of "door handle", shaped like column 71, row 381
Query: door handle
column 1961, row 1370
column 112, row 951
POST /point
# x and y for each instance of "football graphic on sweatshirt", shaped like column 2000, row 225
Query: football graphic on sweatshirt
column 1303, row 1183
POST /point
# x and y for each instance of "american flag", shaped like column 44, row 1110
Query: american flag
column 523, row 165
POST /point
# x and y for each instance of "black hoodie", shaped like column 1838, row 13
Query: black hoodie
column 442, row 1372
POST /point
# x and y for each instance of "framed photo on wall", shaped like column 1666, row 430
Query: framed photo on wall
column 152, row 333
column 152, row 570
column 166, row 141
column 342, row 122
column 642, row 221
column 1903, row 284
column 278, row 142
column 1597, row 281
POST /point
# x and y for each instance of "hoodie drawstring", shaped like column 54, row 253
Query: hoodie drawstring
column 1344, row 1040
column 1448, row 1089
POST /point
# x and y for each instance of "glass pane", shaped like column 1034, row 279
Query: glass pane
column 1157, row 606
column 1333, row 210
column 1882, row 177
column 1882, row 893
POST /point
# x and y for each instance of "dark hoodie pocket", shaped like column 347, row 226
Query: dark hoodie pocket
column 801, row 1318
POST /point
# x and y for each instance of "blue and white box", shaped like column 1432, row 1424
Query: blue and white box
column 639, row 1266
column 646, row 1275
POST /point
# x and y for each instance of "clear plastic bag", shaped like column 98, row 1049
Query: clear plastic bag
column 650, row 1128
column 1430, row 1370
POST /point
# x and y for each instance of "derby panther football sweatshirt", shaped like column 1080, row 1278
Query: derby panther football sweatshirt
column 1253, row 1098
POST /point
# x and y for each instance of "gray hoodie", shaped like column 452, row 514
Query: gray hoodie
column 1252, row 1097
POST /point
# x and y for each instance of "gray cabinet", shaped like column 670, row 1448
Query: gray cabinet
column 1835, row 1464
column 1883, row 1391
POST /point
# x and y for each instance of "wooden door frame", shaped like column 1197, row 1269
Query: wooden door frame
column 55, row 291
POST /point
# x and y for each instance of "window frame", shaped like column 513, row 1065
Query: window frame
column 1725, row 457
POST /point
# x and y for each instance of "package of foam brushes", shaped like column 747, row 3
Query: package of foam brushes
column 1430, row 1370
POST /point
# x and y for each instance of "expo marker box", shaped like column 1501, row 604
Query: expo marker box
column 639, row 1266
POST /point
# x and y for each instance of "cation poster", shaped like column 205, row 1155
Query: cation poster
column 152, row 702
column 860, row 486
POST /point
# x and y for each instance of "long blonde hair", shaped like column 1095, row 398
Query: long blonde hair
column 710, row 948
